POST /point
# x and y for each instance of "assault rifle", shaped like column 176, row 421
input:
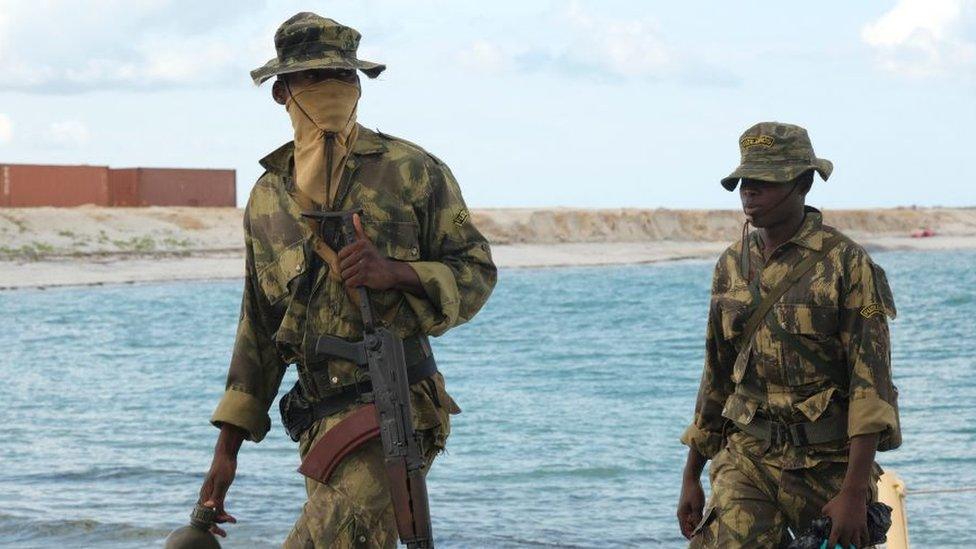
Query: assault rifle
column 388, row 406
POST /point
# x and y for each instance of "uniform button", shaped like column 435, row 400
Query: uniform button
column 335, row 379
column 362, row 539
column 298, row 267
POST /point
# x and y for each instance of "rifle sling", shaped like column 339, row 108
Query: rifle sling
column 760, row 312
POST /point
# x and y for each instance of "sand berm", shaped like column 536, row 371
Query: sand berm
column 42, row 247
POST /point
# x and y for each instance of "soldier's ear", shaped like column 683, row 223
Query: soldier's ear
column 805, row 182
column 279, row 92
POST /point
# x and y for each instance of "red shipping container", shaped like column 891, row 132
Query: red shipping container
column 27, row 185
column 174, row 187
column 123, row 187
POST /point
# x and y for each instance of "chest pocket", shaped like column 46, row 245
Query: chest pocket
column 280, row 281
column 275, row 277
column 811, row 350
column 399, row 240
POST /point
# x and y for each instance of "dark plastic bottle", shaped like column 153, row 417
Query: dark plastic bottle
column 197, row 534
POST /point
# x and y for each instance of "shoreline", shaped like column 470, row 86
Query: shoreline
column 114, row 268
column 88, row 245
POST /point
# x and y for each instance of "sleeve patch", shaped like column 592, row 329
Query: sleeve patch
column 461, row 218
column 872, row 310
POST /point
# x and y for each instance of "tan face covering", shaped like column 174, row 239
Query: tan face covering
column 324, row 117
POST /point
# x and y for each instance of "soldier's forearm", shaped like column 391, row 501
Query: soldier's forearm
column 859, row 463
column 694, row 465
column 229, row 441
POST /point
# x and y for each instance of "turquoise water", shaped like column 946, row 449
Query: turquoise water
column 575, row 385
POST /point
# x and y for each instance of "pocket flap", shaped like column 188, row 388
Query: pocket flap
column 815, row 406
column 707, row 517
column 398, row 240
column 275, row 276
column 805, row 319
column 739, row 409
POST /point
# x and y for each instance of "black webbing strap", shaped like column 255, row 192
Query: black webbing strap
column 298, row 413
column 823, row 430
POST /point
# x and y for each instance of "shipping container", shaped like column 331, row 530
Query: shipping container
column 27, row 185
column 123, row 187
column 176, row 187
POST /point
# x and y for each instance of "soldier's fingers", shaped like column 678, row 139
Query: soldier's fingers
column 834, row 536
column 356, row 281
column 358, row 224
column 351, row 270
column 225, row 517
column 355, row 247
column 352, row 259
column 218, row 530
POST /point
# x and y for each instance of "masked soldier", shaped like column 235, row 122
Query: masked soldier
column 796, row 394
column 426, row 266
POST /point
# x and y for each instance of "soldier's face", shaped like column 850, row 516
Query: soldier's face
column 279, row 91
column 766, row 203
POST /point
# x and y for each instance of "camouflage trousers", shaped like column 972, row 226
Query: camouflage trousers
column 354, row 508
column 753, row 503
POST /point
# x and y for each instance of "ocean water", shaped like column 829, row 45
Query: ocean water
column 575, row 383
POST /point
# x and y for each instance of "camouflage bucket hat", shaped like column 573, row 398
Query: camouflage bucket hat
column 309, row 41
column 776, row 152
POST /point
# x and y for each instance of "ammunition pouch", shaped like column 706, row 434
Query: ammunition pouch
column 823, row 430
column 299, row 411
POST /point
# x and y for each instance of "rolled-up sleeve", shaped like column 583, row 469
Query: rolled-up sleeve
column 705, row 434
column 873, row 398
column 456, row 269
column 256, row 368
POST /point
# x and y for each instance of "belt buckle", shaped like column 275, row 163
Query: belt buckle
column 792, row 434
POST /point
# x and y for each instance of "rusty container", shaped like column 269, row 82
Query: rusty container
column 31, row 185
column 178, row 187
column 123, row 187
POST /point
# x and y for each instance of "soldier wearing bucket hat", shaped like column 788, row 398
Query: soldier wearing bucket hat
column 417, row 250
column 796, row 393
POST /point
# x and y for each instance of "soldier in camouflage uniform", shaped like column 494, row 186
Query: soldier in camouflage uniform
column 427, row 266
column 794, row 401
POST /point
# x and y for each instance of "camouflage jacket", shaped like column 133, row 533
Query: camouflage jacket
column 839, row 308
column 413, row 212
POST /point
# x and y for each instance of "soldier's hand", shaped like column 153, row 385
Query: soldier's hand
column 361, row 264
column 690, row 506
column 214, row 489
column 221, row 474
column 848, row 513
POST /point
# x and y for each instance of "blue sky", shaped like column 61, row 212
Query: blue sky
column 607, row 103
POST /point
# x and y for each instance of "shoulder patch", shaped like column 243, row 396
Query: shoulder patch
column 873, row 309
column 461, row 218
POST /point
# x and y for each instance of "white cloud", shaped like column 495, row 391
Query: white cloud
column 67, row 134
column 484, row 55
column 918, row 38
column 6, row 129
column 595, row 46
column 623, row 47
column 130, row 44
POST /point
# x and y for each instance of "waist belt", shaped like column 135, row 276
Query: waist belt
column 298, row 413
column 827, row 429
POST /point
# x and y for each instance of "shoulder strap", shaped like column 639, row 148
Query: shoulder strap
column 760, row 312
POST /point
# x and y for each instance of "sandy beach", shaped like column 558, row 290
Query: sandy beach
column 46, row 247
